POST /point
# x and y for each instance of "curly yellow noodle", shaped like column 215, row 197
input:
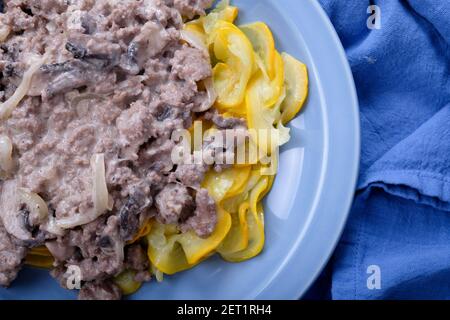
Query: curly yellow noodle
column 238, row 237
column 228, row 183
column 39, row 261
column 39, row 257
column 126, row 282
column 255, row 221
column 171, row 251
column 40, row 251
column 223, row 11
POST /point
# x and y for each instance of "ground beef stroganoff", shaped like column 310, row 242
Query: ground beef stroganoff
column 100, row 180
column 113, row 80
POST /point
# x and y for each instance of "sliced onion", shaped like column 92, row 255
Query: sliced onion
column 6, row 161
column 100, row 197
column 9, row 105
column 11, row 200
column 194, row 41
column 211, row 96
column 52, row 227
column 9, row 211
column 100, row 190
column 37, row 206
column 158, row 274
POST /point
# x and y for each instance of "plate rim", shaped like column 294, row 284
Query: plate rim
column 296, row 288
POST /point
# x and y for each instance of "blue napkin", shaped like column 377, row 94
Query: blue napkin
column 397, row 241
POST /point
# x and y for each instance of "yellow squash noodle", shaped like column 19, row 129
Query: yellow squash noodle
column 222, row 12
column 261, row 119
column 227, row 184
column 126, row 282
column 263, row 43
column 39, row 257
column 296, row 82
column 255, row 223
column 238, row 237
column 171, row 251
column 236, row 59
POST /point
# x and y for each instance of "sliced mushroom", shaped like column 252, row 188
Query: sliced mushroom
column 57, row 67
column 88, row 66
column 67, row 81
column 105, row 242
column 129, row 215
column 59, row 78
column 78, row 52
column 101, row 59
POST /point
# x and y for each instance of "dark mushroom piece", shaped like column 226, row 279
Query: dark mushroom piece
column 86, row 68
column 9, row 70
column 99, row 61
column 164, row 113
column 67, row 81
column 105, row 242
column 129, row 216
column 78, row 52
column 57, row 67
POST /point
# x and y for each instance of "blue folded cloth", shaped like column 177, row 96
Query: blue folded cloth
column 399, row 227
